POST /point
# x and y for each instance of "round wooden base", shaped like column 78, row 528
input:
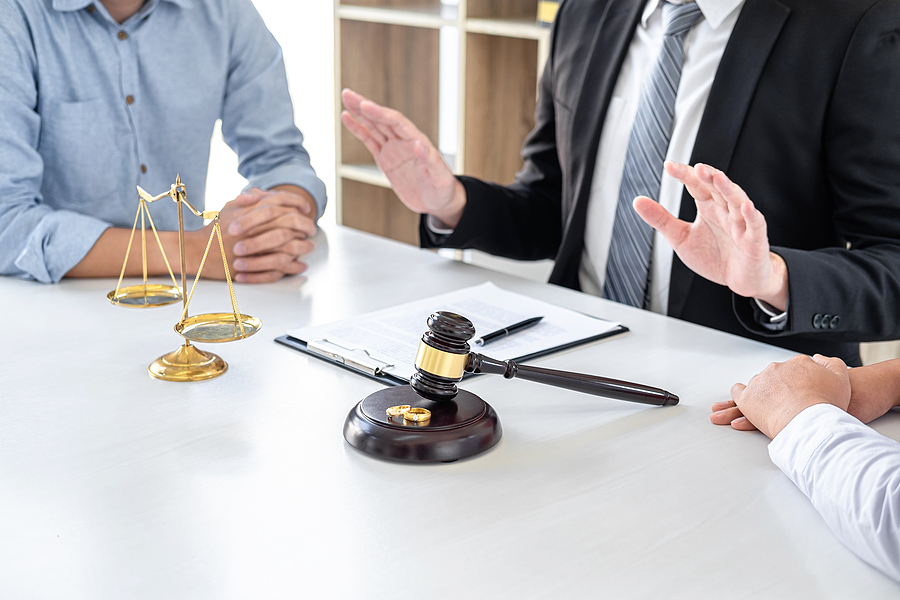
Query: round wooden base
column 458, row 428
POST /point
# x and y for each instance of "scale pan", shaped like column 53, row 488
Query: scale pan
column 145, row 296
column 213, row 328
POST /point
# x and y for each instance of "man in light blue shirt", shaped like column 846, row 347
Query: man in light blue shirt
column 96, row 98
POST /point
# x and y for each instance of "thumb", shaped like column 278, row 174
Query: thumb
column 835, row 365
column 657, row 217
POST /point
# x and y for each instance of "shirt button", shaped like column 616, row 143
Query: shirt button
column 129, row 99
column 143, row 168
column 122, row 35
column 91, row 9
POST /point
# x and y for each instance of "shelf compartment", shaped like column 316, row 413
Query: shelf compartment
column 501, row 80
column 378, row 210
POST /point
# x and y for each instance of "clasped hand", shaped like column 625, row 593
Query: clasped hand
column 783, row 390
column 265, row 233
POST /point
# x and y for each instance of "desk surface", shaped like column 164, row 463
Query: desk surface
column 115, row 485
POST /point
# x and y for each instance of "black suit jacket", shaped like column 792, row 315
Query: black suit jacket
column 804, row 114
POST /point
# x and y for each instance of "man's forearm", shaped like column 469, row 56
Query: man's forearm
column 105, row 258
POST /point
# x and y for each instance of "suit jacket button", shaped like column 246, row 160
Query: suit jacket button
column 835, row 320
column 817, row 321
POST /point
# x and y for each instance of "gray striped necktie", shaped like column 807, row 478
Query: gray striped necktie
column 628, row 266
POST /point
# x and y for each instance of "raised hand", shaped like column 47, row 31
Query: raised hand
column 264, row 233
column 727, row 243
column 417, row 171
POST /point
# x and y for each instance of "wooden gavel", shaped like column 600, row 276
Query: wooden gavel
column 444, row 356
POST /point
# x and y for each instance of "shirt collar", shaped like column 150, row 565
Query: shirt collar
column 714, row 11
column 73, row 5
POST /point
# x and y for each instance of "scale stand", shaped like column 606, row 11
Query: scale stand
column 187, row 363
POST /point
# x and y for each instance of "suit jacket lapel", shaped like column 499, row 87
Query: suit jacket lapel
column 614, row 31
column 754, row 35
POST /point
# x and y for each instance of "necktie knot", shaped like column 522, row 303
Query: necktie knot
column 679, row 18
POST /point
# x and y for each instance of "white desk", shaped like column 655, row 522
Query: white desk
column 115, row 485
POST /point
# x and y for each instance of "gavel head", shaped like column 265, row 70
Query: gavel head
column 442, row 357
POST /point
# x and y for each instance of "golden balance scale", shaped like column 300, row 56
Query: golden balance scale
column 187, row 363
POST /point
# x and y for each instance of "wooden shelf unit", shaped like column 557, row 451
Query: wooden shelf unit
column 389, row 50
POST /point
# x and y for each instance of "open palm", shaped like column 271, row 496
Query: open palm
column 728, row 242
column 416, row 170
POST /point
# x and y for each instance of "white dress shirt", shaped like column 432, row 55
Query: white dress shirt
column 703, row 49
column 851, row 473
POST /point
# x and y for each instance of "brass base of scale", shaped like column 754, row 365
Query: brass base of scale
column 187, row 363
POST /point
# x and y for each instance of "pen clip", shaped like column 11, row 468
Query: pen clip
column 357, row 358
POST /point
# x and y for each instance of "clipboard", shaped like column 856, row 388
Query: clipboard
column 382, row 345
column 360, row 361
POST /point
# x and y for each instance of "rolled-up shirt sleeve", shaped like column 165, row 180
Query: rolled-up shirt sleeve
column 851, row 474
column 258, row 116
column 36, row 241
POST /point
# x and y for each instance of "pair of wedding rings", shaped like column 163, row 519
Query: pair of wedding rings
column 416, row 415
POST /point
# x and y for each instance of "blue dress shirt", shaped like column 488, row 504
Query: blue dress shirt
column 90, row 108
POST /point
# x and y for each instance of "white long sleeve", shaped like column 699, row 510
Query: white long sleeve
column 851, row 473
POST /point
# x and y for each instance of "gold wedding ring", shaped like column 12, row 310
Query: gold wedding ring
column 417, row 414
column 396, row 411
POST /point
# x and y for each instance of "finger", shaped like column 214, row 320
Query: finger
column 273, row 261
column 835, row 365
column 265, row 276
column 351, row 99
column 302, row 225
column 269, row 241
column 281, row 212
column 717, row 406
column 707, row 175
column 698, row 190
column 363, row 134
column 736, row 391
column 380, row 137
column 757, row 230
column 389, row 121
column 251, row 196
column 743, row 424
column 726, row 416
column 674, row 230
column 295, row 248
column 740, row 207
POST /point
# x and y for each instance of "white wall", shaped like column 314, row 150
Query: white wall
column 305, row 30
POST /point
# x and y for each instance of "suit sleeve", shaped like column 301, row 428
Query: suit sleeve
column 851, row 294
column 522, row 220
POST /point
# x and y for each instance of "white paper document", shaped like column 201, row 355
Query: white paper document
column 389, row 339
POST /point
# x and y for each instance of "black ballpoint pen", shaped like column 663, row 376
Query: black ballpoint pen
column 481, row 341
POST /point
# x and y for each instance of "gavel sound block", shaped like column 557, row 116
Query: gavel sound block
column 461, row 423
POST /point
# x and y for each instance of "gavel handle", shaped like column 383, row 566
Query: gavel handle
column 578, row 382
